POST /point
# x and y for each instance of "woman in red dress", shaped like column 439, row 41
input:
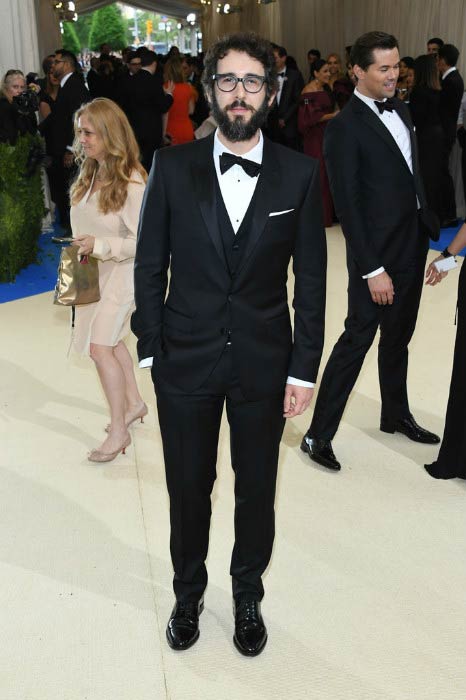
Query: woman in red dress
column 179, row 127
column 316, row 107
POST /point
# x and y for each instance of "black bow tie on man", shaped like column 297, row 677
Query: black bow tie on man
column 227, row 160
column 388, row 105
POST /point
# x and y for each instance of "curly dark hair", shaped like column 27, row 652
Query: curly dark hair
column 245, row 42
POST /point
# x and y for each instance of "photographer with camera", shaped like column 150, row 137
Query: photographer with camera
column 18, row 104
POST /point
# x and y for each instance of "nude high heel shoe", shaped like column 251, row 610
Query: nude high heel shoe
column 99, row 456
column 139, row 415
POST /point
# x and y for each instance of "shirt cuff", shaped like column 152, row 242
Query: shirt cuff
column 146, row 362
column 300, row 382
column 374, row 274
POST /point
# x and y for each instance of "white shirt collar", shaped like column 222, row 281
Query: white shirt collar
column 447, row 72
column 65, row 78
column 370, row 101
column 254, row 154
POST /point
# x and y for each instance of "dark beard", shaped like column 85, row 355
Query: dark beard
column 238, row 129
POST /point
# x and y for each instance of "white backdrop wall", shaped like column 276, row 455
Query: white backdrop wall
column 330, row 25
column 29, row 31
column 19, row 42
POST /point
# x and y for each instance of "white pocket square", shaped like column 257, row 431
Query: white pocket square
column 278, row 213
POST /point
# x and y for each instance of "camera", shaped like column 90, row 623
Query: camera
column 27, row 102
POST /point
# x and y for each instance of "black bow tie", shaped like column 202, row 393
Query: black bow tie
column 388, row 105
column 249, row 166
column 281, row 75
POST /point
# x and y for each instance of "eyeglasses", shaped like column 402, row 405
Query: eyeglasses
column 55, row 61
column 227, row 82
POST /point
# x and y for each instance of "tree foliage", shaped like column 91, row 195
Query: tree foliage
column 107, row 27
column 83, row 27
column 70, row 40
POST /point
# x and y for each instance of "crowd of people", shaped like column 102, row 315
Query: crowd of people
column 210, row 238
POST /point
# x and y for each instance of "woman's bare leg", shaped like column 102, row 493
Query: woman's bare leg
column 134, row 400
column 113, row 383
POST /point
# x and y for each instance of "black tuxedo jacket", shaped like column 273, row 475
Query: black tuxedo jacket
column 144, row 101
column 374, row 190
column 288, row 107
column 186, row 332
column 450, row 102
column 58, row 126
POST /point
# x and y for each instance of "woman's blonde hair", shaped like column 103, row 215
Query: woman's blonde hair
column 121, row 155
column 173, row 70
column 337, row 56
column 9, row 76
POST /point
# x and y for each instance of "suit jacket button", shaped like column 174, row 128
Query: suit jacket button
column 230, row 298
column 236, row 246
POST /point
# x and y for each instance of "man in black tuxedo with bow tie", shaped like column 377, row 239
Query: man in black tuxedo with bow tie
column 282, row 122
column 58, row 129
column 371, row 157
column 226, row 214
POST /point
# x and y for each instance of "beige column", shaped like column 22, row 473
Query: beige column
column 48, row 28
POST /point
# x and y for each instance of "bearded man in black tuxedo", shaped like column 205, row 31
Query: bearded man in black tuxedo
column 58, row 129
column 226, row 214
column 371, row 158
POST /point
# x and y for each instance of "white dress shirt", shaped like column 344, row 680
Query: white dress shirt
column 447, row 72
column 400, row 133
column 281, row 80
column 237, row 188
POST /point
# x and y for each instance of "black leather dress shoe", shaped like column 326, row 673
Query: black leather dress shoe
column 411, row 429
column 320, row 451
column 250, row 632
column 183, row 625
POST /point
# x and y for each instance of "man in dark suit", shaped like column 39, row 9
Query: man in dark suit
column 371, row 158
column 282, row 123
column 227, row 225
column 450, row 101
column 59, row 128
column 145, row 101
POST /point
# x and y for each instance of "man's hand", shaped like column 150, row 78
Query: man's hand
column 381, row 289
column 68, row 159
column 281, row 123
column 297, row 399
column 433, row 276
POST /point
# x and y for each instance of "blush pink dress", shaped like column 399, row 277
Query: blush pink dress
column 107, row 321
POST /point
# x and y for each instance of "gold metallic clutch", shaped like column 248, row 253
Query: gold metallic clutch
column 78, row 279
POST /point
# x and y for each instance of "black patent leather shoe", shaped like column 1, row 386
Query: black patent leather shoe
column 320, row 451
column 183, row 625
column 411, row 429
column 250, row 632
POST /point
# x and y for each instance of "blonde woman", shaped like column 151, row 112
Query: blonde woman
column 14, row 122
column 335, row 67
column 105, row 203
column 179, row 127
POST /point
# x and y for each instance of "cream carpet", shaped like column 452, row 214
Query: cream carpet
column 365, row 596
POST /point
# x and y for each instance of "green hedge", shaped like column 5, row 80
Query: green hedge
column 21, row 205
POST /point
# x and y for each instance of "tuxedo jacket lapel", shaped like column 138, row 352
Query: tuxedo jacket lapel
column 414, row 154
column 203, row 176
column 267, row 185
column 372, row 120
